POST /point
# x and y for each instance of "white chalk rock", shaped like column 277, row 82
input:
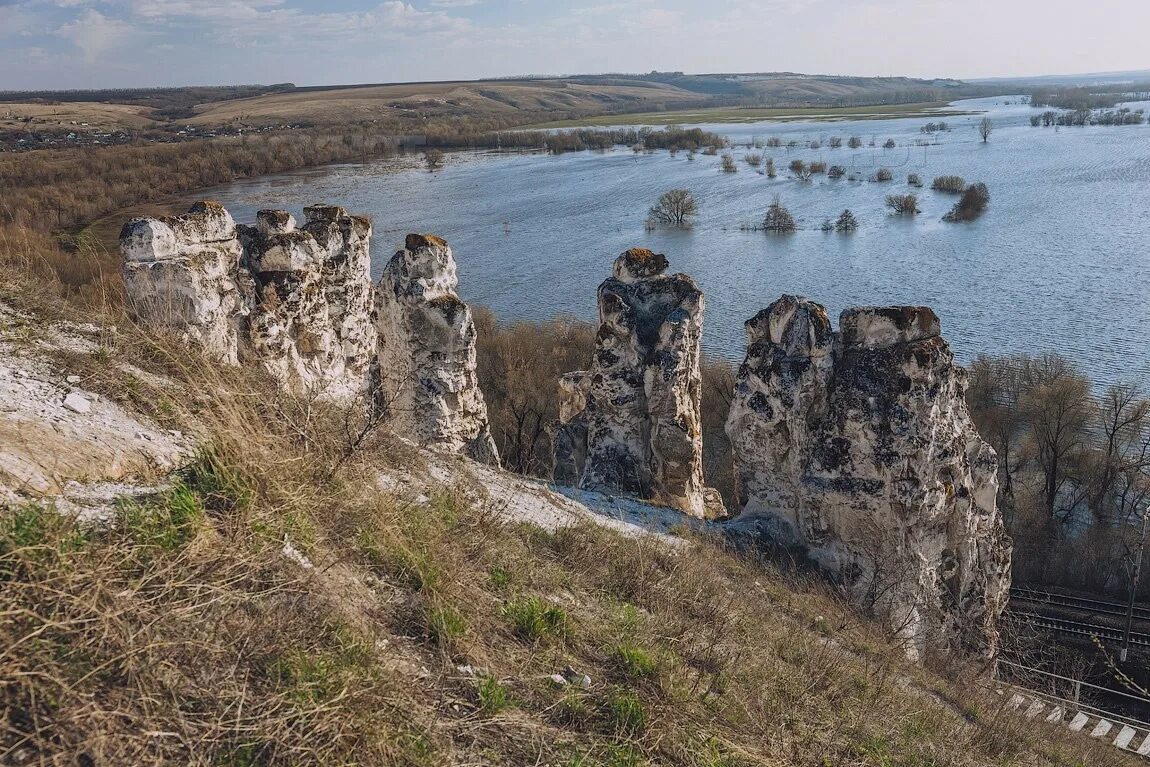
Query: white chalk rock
column 423, row 376
column 858, row 449
column 180, row 276
column 632, row 423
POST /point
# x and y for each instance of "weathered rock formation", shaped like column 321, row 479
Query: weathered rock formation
column 299, row 301
column 858, row 448
column 632, row 423
column 180, row 274
column 309, row 320
column 424, row 378
column 295, row 300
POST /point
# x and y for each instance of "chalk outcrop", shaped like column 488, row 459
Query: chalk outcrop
column 857, row 448
column 309, row 317
column 632, row 422
column 299, row 301
column 180, row 275
column 296, row 300
column 424, row 375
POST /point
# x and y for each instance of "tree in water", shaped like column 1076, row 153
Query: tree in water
column 676, row 208
column 846, row 222
column 974, row 201
column 778, row 219
column 985, row 127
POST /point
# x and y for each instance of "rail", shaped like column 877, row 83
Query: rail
column 1097, row 606
column 1081, row 628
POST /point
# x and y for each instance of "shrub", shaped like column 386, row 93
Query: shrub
column 836, row 171
column 815, row 144
column 775, row 142
column 817, row 167
column 950, row 184
column 902, row 204
column 835, row 143
column 778, row 219
column 889, row 144
column 798, row 166
column 914, row 180
column 827, row 225
column 771, row 172
column 532, row 619
column 433, row 158
column 846, row 222
column 676, row 207
column 971, row 205
column 729, row 165
column 754, row 160
column 882, row 174
column 711, row 151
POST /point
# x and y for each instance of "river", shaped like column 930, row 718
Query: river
column 1060, row 262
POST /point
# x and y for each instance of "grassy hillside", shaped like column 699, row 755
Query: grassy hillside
column 525, row 100
column 424, row 627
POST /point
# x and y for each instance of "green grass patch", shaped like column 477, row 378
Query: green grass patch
column 633, row 662
column 626, row 713
column 532, row 618
column 493, row 696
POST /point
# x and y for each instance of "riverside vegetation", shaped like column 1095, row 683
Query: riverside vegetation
column 425, row 634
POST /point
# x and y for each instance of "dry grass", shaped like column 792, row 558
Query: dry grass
column 179, row 634
column 464, row 98
column 72, row 116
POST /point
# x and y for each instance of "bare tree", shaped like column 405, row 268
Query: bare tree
column 985, row 128
column 1057, row 408
column 676, row 207
column 1123, row 419
column 902, row 204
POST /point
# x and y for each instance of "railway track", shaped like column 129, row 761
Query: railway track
column 1081, row 628
column 1096, row 606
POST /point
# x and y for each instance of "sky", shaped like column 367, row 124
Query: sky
column 133, row 43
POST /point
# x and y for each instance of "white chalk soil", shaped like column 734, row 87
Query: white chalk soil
column 62, row 444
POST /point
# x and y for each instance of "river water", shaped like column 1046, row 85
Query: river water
column 1060, row 262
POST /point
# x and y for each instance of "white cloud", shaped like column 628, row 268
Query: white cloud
column 96, row 34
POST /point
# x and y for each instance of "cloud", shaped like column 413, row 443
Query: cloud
column 96, row 34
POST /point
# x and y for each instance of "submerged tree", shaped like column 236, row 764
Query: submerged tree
column 676, row 207
column 974, row 201
column 846, row 222
column 778, row 219
column 729, row 165
column 985, row 127
column 902, row 204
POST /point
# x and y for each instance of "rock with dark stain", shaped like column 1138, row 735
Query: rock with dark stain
column 632, row 423
column 858, row 448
